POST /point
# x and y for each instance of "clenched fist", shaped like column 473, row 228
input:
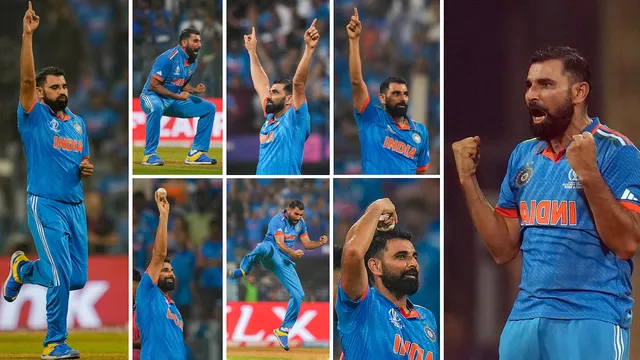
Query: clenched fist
column 466, row 153
column 581, row 155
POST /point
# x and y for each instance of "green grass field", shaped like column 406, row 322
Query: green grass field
column 174, row 162
column 92, row 345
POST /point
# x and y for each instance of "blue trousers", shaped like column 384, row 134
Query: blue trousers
column 550, row 339
column 278, row 263
column 156, row 107
column 59, row 231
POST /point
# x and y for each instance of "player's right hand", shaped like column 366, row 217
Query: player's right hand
column 354, row 28
column 31, row 21
column 184, row 95
column 385, row 206
column 250, row 41
column 163, row 203
column 297, row 254
column 466, row 153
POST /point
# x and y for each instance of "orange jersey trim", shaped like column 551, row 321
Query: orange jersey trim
column 630, row 206
column 510, row 213
column 157, row 77
column 366, row 103
column 423, row 168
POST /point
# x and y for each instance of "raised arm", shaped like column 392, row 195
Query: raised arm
column 359, row 90
column 258, row 76
column 159, row 253
column 354, row 280
column 311, row 38
column 501, row 234
column 296, row 254
column 30, row 23
column 310, row 245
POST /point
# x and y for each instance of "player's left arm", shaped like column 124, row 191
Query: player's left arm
column 611, row 194
column 311, row 38
column 310, row 245
column 423, row 157
column 86, row 167
column 200, row 88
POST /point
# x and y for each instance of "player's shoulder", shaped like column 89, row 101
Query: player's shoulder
column 528, row 146
column 425, row 313
column 168, row 54
column 610, row 140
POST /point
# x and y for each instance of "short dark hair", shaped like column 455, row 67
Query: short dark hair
column 296, row 204
column 288, row 85
column 379, row 244
column 167, row 260
column 186, row 33
column 391, row 80
column 136, row 275
column 49, row 70
column 574, row 63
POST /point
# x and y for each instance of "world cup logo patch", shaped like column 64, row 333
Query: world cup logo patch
column 523, row 176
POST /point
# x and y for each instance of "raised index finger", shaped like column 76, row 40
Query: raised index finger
column 355, row 12
column 30, row 7
column 313, row 24
column 253, row 32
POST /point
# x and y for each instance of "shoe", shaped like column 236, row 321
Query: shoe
column 282, row 337
column 199, row 158
column 152, row 160
column 13, row 284
column 59, row 351
column 237, row 273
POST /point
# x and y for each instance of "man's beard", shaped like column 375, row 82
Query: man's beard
column 58, row 104
column 397, row 110
column 272, row 108
column 166, row 284
column 292, row 221
column 192, row 54
column 400, row 285
column 555, row 124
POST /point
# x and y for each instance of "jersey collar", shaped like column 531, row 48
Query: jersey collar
column 66, row 112
column 412, row 314
column 410, row 124
column 547, row 151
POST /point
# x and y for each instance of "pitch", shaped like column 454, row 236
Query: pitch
column 92, row 345
column 174, row 162
column 276, row 353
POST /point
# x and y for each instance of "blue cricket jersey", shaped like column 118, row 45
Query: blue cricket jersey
column 567, row 271
column 375, row 328
column 282, row 142
column 159, row 322
column 386, row 148
column 280, row 225
column 172, row 69
column 54, row 148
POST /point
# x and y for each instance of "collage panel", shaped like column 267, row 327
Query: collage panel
column 177, row 261
column 386, row 268
column 387, row 87
column 278, row 269
column 546, row 137
column 177, row 119
column 63, row 176
column 278, row 88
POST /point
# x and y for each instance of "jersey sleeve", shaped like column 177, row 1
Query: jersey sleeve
column 623, row 177
column 303, row 228
column 276, row 226
column 23, row 116
column 145, row 289
column 303, row 118
column 162, row 68
column 506, row 205
column 423, row 157
column 368, row 114
column 352, row 314
column 85, row 140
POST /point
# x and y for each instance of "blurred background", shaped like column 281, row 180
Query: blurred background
column 417, row 202
column 480, row 293
column 88, row 40
column 195, row 250
column 156, row 28
column 399, row 38
column 280, row 27
column 250, row 206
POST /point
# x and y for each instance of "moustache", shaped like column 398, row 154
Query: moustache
column 411, row 272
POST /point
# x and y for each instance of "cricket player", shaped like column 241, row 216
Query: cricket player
column 288, row 122
column 136, row 332
column 167, row 92
column 157, row 316
column 390, row 142
column 569, row 203
column 380, row 269
column 57, row 151
column 275, row 253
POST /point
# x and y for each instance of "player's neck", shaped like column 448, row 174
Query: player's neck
column 400, row 302
column 576, row 126
column 402, row 121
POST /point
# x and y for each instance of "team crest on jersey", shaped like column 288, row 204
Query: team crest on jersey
column 416, row 138
column 574, row 182
column 53, row 124
column 298, row 227
column 395, row 318
column 177, row 71
column 430, row 333
column 523, row 176
column 78, row 128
